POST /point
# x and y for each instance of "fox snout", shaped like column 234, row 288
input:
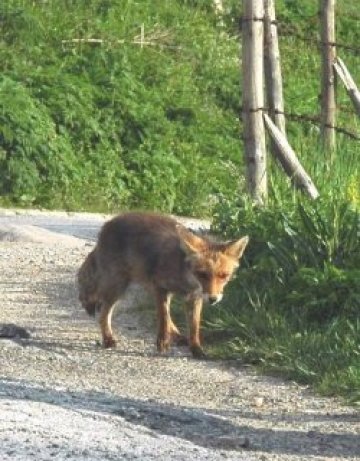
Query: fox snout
column 212, row 299
column 206, row 297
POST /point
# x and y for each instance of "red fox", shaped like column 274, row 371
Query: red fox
column 159, row 253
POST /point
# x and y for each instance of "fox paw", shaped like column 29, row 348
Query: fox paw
column 198, row 352
column 163, row 344
column 180, row 340
column 109, row 342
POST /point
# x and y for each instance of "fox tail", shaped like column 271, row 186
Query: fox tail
column 87, row 284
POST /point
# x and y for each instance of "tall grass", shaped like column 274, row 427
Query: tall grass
column 294, row 307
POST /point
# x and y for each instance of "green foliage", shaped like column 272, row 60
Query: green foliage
column 30, row 147
column 37, row 160
column 152, row 126
column 138, row 126
column 295, row 304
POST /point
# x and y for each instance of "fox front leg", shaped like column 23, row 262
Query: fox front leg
column 194, row 309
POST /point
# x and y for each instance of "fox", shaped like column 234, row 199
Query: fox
column 157, row 252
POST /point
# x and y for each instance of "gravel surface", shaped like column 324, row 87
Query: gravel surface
column 62, row 397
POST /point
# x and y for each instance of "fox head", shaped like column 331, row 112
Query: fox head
column 212, row 263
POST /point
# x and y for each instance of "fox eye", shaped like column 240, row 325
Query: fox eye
column 203, row 275
column 223, row 276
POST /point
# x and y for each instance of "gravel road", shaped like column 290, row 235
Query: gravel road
column 62, row 397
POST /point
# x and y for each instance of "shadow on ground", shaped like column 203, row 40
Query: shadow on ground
column 199, row 426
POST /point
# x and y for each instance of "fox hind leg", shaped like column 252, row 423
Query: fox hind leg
column 166, row 327
column 178, row 338
column 107, row 306
column 106, row 312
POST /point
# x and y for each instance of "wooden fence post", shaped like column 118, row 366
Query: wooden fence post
column 273, row 78
column 328, row 52
column 253, row 99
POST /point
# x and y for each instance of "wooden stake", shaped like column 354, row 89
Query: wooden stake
column 289, row 160
column 328, row 51
column 273, row 78
column 349, row 83
column 253, row 99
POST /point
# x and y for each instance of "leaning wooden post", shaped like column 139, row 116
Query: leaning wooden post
column 349, row 83
column 328, row 52
column 253, row 99
column 273, row 78
column 289, row 160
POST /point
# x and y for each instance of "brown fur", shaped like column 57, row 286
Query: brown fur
column 162, row 255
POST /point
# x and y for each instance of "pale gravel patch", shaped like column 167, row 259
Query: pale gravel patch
column 28, row 233
column 63, row 397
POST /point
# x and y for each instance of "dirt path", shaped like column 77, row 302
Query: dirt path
column 63, row 397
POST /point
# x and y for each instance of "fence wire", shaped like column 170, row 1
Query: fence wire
column 286, row 30
column 307, row 118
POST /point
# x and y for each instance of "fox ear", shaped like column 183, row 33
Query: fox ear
column 236, row 248
column 189, row 242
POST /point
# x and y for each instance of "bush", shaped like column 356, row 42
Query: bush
column 30, row 148
column 117, row 125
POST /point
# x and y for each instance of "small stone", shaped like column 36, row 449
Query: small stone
column 259, row 402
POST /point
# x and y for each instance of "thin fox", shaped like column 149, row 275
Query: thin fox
column 159, row 253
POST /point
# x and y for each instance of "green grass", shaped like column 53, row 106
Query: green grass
column 294, row 307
